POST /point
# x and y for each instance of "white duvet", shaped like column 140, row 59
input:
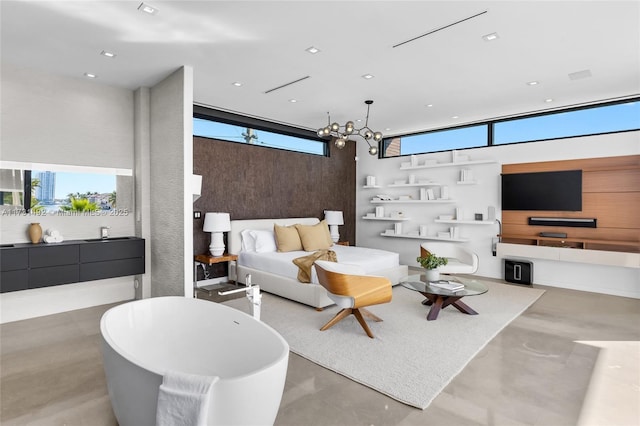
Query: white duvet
column 372, row 260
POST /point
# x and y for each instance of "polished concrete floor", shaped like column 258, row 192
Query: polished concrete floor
column 540, row 370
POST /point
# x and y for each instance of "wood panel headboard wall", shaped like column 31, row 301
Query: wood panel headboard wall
column 610, row 193
column 254, row 182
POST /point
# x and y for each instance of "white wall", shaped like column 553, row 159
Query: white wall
column 52, row 119
column 604, row 279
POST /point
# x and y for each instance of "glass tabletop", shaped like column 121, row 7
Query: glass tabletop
column 418, row 282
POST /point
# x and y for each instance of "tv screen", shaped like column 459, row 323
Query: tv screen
column 558, row 191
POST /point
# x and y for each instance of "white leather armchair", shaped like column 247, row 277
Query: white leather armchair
column 460, row 259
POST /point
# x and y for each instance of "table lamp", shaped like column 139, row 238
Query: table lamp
column 217, row 223
column 334, row 218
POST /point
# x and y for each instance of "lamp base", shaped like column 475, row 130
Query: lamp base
column 217, row 244
column 335, row 235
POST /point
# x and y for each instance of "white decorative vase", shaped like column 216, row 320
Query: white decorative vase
column 432, row 274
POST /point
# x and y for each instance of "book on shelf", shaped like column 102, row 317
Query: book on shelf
column 447, row 285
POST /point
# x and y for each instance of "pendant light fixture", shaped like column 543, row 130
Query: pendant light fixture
column 343, row 133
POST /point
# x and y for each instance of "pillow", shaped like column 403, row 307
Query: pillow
column 265, row 241
column 248, row 240
column 315, row 237
column 287, row 238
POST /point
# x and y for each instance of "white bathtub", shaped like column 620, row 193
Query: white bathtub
column 141, row 340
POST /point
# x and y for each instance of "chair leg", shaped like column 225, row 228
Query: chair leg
column 363, row 323
column 369, row 315
column 336, row 319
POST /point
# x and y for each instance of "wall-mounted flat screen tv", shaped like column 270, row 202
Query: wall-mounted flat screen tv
column 557, row 191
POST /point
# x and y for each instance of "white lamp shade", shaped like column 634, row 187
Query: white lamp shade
column 217, row 222
column 333, row 217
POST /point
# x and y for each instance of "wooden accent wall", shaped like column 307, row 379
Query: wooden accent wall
column 255, row 182
column 610, row 193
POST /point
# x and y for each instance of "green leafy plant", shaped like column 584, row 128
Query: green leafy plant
column 80, row 205
column 431, row 261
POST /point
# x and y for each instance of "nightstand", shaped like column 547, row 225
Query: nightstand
column 207, row 259
column 343, row 243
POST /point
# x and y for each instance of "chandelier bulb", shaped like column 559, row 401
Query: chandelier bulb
column 377, row 136
column 349, row 127
column 373, row 150
column 335, row 127
column 368, row 134
column 340, row 143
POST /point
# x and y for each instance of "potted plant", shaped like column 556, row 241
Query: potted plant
column 431, row 262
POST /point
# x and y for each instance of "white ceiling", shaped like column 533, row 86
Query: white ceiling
column 262, row 45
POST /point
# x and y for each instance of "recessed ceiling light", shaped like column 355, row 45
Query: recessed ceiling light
column 548, row 100
column 455, row 116
column 533, row 83
column 429, row 105
column 491, row 37
column 312, row 50
column 237, row 83
column 367, row 76
column 147, row 9
column 90, row 75
column 108, row 54
column 293, row 101
column 387, row 129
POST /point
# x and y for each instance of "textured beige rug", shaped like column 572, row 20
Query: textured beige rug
column 411, row 359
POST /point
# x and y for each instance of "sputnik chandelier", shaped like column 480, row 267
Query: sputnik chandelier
column 343, row 133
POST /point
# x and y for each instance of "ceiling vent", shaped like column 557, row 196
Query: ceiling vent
column 287, row 84
column 580, row 74
column 440, row 28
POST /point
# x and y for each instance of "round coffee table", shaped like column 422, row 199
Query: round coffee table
column 439, row 298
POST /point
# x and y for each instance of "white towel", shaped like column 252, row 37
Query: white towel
column 51, row 239
column 183, row 399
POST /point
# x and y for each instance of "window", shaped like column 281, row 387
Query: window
column 55, row 189
column 605, row 118
column 243, row 134
column 439, row 140
column 581, row 122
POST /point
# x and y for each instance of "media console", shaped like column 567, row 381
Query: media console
column 569, row 253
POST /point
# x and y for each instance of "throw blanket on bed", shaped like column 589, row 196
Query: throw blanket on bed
column 305, row 263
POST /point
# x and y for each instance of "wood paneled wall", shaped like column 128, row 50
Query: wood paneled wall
column 610, row 193
column 255, row 182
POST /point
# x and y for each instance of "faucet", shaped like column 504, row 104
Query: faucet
column 253, row 294
column 104, row 231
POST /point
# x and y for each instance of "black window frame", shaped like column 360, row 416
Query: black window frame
column 234, row 119
column 492, row 123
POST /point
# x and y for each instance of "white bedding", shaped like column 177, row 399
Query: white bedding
column 372, row 260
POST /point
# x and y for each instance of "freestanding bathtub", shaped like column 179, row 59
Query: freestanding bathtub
column 142, row 340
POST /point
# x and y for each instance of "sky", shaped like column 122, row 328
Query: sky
column 68, row 182
column 604, row 119
column 214, row 130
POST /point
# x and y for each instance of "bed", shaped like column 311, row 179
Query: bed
column 275, row 272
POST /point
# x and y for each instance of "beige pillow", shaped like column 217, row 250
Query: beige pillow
column 315, row 237
column 287, row 238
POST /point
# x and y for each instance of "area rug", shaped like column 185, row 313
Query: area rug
column 410, row 359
